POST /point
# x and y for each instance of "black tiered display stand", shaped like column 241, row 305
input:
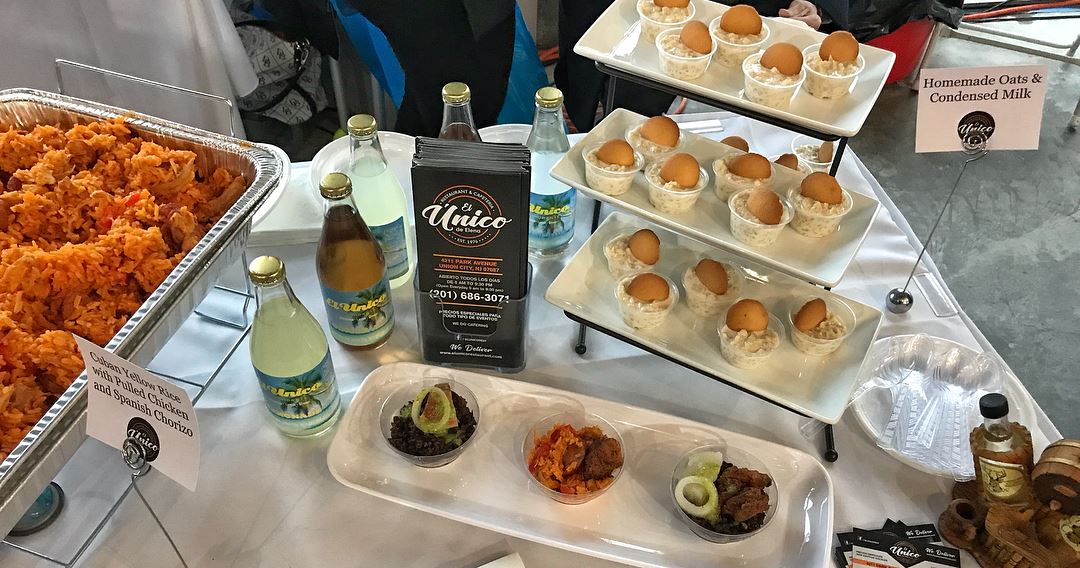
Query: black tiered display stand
column 615, row 75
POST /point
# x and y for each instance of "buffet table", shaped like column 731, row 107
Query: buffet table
column 267, row 500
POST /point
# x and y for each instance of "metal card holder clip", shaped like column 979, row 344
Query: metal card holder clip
column 899, row 300
column 134, row 455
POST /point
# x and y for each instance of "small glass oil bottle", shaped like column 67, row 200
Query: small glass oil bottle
column 1003, row 456
column 291, row 355
column 352, row 271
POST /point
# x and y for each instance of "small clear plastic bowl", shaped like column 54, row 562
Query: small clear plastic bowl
column 803, row 169
column 802, row 140
column 705, row 303
column 620, row 269
column 817, row 225
column 752, row 232
column 674, row 200
column 651, row 28
column 650, row 155
column 743, row 359
column 775, row 96
column 577, row 419
column 678, row 66
column 738, row 458
column 724, row 187
column 636, row 316
column 828, row 86
column 607, row 181
column 732, row 54
column 814, row 346
column 405, row 394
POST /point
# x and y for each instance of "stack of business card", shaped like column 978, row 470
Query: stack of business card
column 895, row 545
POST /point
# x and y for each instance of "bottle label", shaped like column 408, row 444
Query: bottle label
column 1002, row 480
column 391, row 237
column 551, row 219
column 303, row 396
column 361, row 317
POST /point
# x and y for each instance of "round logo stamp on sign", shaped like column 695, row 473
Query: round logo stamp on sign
column 142, row 432
column 465, row 216
column 975, row 129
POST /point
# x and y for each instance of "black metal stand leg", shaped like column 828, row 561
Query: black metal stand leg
column 830, row 454
column 841, row 145
column 609, row 96
column 580, row 347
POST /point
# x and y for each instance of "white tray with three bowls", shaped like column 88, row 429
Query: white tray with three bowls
column 821, row 260
column 818, row 387
column 615, row 40
column 633, row 522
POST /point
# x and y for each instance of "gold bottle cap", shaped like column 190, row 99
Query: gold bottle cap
column 456, row 92
column 549, row 97
column 335, row 185
column 266, row 271
column 362, row 125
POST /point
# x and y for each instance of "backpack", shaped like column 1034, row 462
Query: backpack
column 289, row 70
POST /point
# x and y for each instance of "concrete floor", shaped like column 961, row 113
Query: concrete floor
column 1008, row 246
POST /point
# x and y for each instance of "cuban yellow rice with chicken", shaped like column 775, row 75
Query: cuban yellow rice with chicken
column 92, row 220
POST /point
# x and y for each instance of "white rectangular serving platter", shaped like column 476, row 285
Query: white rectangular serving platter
column 818, row 387
column 633, row 523
column 819, row 260
column 614, row 39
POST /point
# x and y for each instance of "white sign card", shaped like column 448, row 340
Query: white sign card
column 125, row 400
column 1001, row 105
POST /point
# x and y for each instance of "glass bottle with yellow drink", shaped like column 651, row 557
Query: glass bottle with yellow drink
column 291, row 355
column 380, row 199
column 352, row 271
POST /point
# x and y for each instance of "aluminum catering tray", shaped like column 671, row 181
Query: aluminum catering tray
column 52, row 441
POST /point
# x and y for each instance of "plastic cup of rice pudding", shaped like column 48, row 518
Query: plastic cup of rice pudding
column 769, row 87
column 829, row 79
column 703, row 301
column 643, row 315
column 655, row 19
column 670, row 197
column 803, row 170
column 679, row 61
column 805, row 149
column 621, row 262
column 731, row 49
column 748, row 229
column 814, row 218
column 725, row 183
column 828, row 335
column 748, row 350
column 651, row 151
column 610, row 179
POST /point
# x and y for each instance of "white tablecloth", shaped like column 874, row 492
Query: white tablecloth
column 266, row 500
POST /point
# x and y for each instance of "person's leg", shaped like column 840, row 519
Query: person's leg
column 582, row 85
column 642, row 100
column 412, row 27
